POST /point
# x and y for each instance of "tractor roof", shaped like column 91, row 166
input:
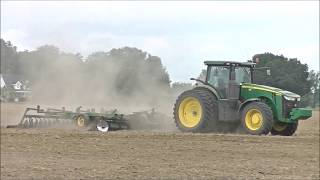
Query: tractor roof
column 227, row 63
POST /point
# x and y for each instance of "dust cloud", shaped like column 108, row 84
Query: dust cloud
column 125, row 79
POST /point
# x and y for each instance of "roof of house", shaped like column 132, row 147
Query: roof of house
column 2, row 83
column 11, row 78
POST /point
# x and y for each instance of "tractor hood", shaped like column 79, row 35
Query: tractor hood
column 271, row 89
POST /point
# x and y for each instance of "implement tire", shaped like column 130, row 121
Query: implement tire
column 257, row 118
column 195, row 111
column 284, row 129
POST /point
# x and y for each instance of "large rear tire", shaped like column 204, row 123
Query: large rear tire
column 257, row 118
column 284, row 129
column 195, row 111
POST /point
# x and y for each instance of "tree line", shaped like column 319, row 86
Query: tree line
column 289, row 74
column 130, row 75
column 119, row 76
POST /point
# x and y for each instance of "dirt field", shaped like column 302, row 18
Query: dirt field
column 71, row 154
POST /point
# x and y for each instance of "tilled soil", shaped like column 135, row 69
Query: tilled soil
column 73, row 154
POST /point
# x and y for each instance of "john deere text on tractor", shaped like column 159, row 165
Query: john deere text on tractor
column 228, row 96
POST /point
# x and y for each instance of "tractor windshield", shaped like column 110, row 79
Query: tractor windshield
column 218, row 77
column 243, row 75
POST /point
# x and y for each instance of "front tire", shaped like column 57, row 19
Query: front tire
column 195, row 111
column 257, row 118
column 284, row 129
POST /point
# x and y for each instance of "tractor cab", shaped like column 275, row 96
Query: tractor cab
column 226, row 77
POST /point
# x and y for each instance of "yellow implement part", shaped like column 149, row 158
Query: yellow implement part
column 80, row 121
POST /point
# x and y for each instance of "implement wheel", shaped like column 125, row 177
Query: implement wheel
column 195, row 111
column 284, row 129
column 257, row 118
column 82, row 121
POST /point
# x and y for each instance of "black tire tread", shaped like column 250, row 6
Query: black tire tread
column 288, row 131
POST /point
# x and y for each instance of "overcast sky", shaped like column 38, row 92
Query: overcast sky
column 182, row 34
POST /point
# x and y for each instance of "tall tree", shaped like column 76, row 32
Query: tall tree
column 289, row 74
column 9, row 58
column 314, row 78
column 128, row 73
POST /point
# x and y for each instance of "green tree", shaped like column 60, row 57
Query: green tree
column 314, row 78
column 288, row 74
column 126, row 73
column 9, row 58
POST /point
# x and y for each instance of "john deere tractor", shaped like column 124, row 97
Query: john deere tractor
column 227, row 97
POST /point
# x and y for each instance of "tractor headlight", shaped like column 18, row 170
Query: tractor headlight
column 290, row 98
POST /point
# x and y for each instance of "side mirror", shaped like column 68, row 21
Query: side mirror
column 268, row 72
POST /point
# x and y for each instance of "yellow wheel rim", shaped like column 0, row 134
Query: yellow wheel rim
column 279, row 127
column 254, row 119
column 190, row 112
column 80, row 121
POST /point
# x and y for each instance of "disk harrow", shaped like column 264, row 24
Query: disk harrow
column 89, row 119
column 85, row 119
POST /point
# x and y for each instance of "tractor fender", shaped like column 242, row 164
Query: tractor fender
column 210, row 88
column 242, row 105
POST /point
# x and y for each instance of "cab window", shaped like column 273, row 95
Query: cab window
column 243, row 75
column 218, row 77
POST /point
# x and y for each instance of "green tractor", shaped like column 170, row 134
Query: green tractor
column 228, row 97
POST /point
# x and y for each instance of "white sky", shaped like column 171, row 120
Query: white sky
column 183, row 34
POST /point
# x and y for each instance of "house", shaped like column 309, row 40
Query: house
column 2, row 83
column 13, row 88
column 12, row 81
